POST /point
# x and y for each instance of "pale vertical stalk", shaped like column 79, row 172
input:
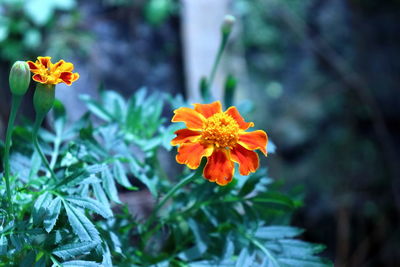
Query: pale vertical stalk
column 15, row 103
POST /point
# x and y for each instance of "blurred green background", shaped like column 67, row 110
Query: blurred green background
column 322, row 75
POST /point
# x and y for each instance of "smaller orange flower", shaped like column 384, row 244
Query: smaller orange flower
column 48, row 73
column 219, row 136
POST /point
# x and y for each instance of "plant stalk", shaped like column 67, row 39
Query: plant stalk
column 165, row 199
column 38, row 121
column 15, row 103
column 217, row 60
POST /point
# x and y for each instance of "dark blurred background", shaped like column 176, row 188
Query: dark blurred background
column 323, row 75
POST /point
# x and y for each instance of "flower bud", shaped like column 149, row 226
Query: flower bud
column 43, row 98
column 227, row 25
column 20, row 77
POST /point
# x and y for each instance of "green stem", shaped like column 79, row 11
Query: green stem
column 56, row 150
column 15, row 103
column 260, row 246
column 38, row 121
column 170, row 194
column 217, row 60
column 173, row 190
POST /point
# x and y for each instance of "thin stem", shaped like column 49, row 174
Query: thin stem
column 217, row 60
column 56, row 150
column 38, row 122
column 170, row 194
column 260, row 246
column 173, row 190
column 15, row 103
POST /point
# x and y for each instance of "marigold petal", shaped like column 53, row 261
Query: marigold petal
column 39, row 78
column 254, row 140
column 75, row 76
column 207, row 110
column 45, row 61
column 219, row 167
column 57, row 65
column 67, row 66
column 190, row 117
column 66, row 77
column 248, row 160
column 33, row 66
column 234, row 113
column 192, row 153
column 185, row 135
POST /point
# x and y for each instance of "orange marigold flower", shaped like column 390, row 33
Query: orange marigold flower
column 48, row 73
column 219, row 136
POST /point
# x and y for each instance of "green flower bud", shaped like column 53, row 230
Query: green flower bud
column 20, row 77
column 227, row 25
column 43, row 98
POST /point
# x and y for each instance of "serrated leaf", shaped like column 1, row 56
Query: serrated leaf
column 75, row 249
column 96, row 108
column 120, row 175
column 150, row 183
column 278, row 232
column 80, row 175
column 100, row 195
column 109, row 185
column 52, row 216
column 293, row 247
column 91, row 204
column 81, row 225
column 107, row 261
column 40, row 207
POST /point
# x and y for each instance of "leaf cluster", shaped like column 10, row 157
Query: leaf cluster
column 78, row 219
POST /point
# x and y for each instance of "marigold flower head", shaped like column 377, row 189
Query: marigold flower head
column 219, row 136
column 46, row 72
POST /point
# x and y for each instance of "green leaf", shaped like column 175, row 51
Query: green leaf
column 3, row 245
column 96, row 108
column 36, row 162
column 73, row 250
column 40, row 207
column 80, row 263
column 277, row 232
column 91, row 204
column 41, row 262
column 100, row 195
column 107, row 261
column 81, row 225
column 293, row 247
column 150, row 183
column 244, row 259
column 120, row 176
column 109, row 185
column 51, row 217
column 81, row 174
column 114, row 103
column 200, row 242
column 308, row 261
column 39, row 11
column 274, row 198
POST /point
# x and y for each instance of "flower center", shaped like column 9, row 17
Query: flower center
column 221, row 130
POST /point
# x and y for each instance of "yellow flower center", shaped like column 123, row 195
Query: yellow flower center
column 221, row 130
